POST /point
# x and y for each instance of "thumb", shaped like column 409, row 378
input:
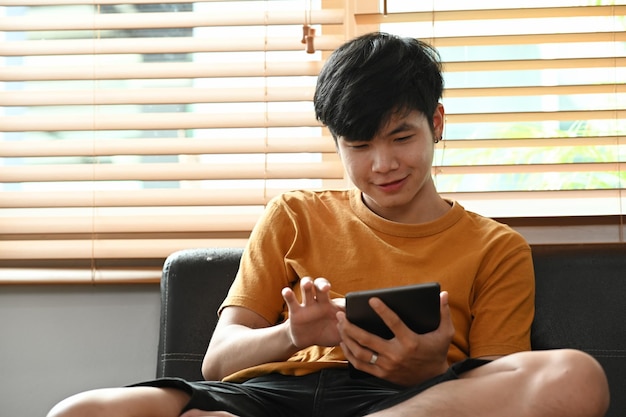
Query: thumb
column 444, row 311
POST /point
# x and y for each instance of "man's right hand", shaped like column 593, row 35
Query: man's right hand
column 314, row 320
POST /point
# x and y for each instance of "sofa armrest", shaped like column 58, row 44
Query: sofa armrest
column 193, row 285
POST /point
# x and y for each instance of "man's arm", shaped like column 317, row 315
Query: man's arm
column 243, row 338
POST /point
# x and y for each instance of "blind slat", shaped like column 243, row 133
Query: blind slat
column 325, row 43
column 269, row 94
column 225, row 197
column 194, row 171
column 149, row 46
column 530, row 204
column 530, row 168
column 185, row 95
column 199, row 146
column 310, row 68
column 106, row 248
column 79, row 276
column 535, row 90
column 535, row 116
column 535, row 64
column 129, row 224
column 160, row 71
column 165, row 20
column 155, row 121
column 534, row 39
column 194, row 196
column 173, row 121
column 491, row 14
column 171, row 172
column 587, row 141
column 89, row 146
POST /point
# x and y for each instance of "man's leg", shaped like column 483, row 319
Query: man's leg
column 559, row 383
column 123, row 402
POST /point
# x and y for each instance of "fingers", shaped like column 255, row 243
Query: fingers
column 307, row 291
column 311, row 291
column 356, row 343
column 312, row 319
column 399, row 328
column 360, row 343
column 322, row 290
column 290, row 298
column 390, row 318
column 408, row 357
column 313, row 288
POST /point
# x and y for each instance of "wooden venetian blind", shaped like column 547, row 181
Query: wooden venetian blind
column 535, row 98
column 129, row 130
column 132, row 129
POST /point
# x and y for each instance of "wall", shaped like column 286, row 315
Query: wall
column 58, row 340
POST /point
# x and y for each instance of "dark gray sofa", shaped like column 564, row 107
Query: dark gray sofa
column 580, row 303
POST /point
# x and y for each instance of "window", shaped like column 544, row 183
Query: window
column 129, row 130
column 535, row 100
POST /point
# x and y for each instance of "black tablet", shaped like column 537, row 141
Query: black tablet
column 416, row 304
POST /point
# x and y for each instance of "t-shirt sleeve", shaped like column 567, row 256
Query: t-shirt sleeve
column 503, row 301
column 261, row 275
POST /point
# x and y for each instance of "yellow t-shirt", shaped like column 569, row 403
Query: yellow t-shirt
column 485, row 266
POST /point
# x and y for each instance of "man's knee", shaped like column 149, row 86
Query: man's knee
column 122, row 402
column 590, row 378
column 572, row 380
column 83, row 404
column 563, row 382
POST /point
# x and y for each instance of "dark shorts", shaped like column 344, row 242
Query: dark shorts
column 328, row 393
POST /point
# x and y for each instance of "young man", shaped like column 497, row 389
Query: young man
column 274, row 354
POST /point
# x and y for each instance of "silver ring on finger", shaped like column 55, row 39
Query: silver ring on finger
column 374, row 358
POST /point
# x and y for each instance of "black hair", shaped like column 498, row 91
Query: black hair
column 371, row 77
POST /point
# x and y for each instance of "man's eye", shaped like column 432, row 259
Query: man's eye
column 362, row 146
column 404, row 138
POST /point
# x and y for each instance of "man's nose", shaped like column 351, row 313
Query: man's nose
column 384, row 160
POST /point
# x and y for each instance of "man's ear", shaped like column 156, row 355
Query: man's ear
column 438, row 122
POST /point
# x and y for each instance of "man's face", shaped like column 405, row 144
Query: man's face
column 393, row 170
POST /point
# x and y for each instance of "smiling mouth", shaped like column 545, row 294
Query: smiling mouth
column 392, row 185
column 391, row 182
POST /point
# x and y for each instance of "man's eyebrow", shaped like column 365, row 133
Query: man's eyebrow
column 401, row 128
